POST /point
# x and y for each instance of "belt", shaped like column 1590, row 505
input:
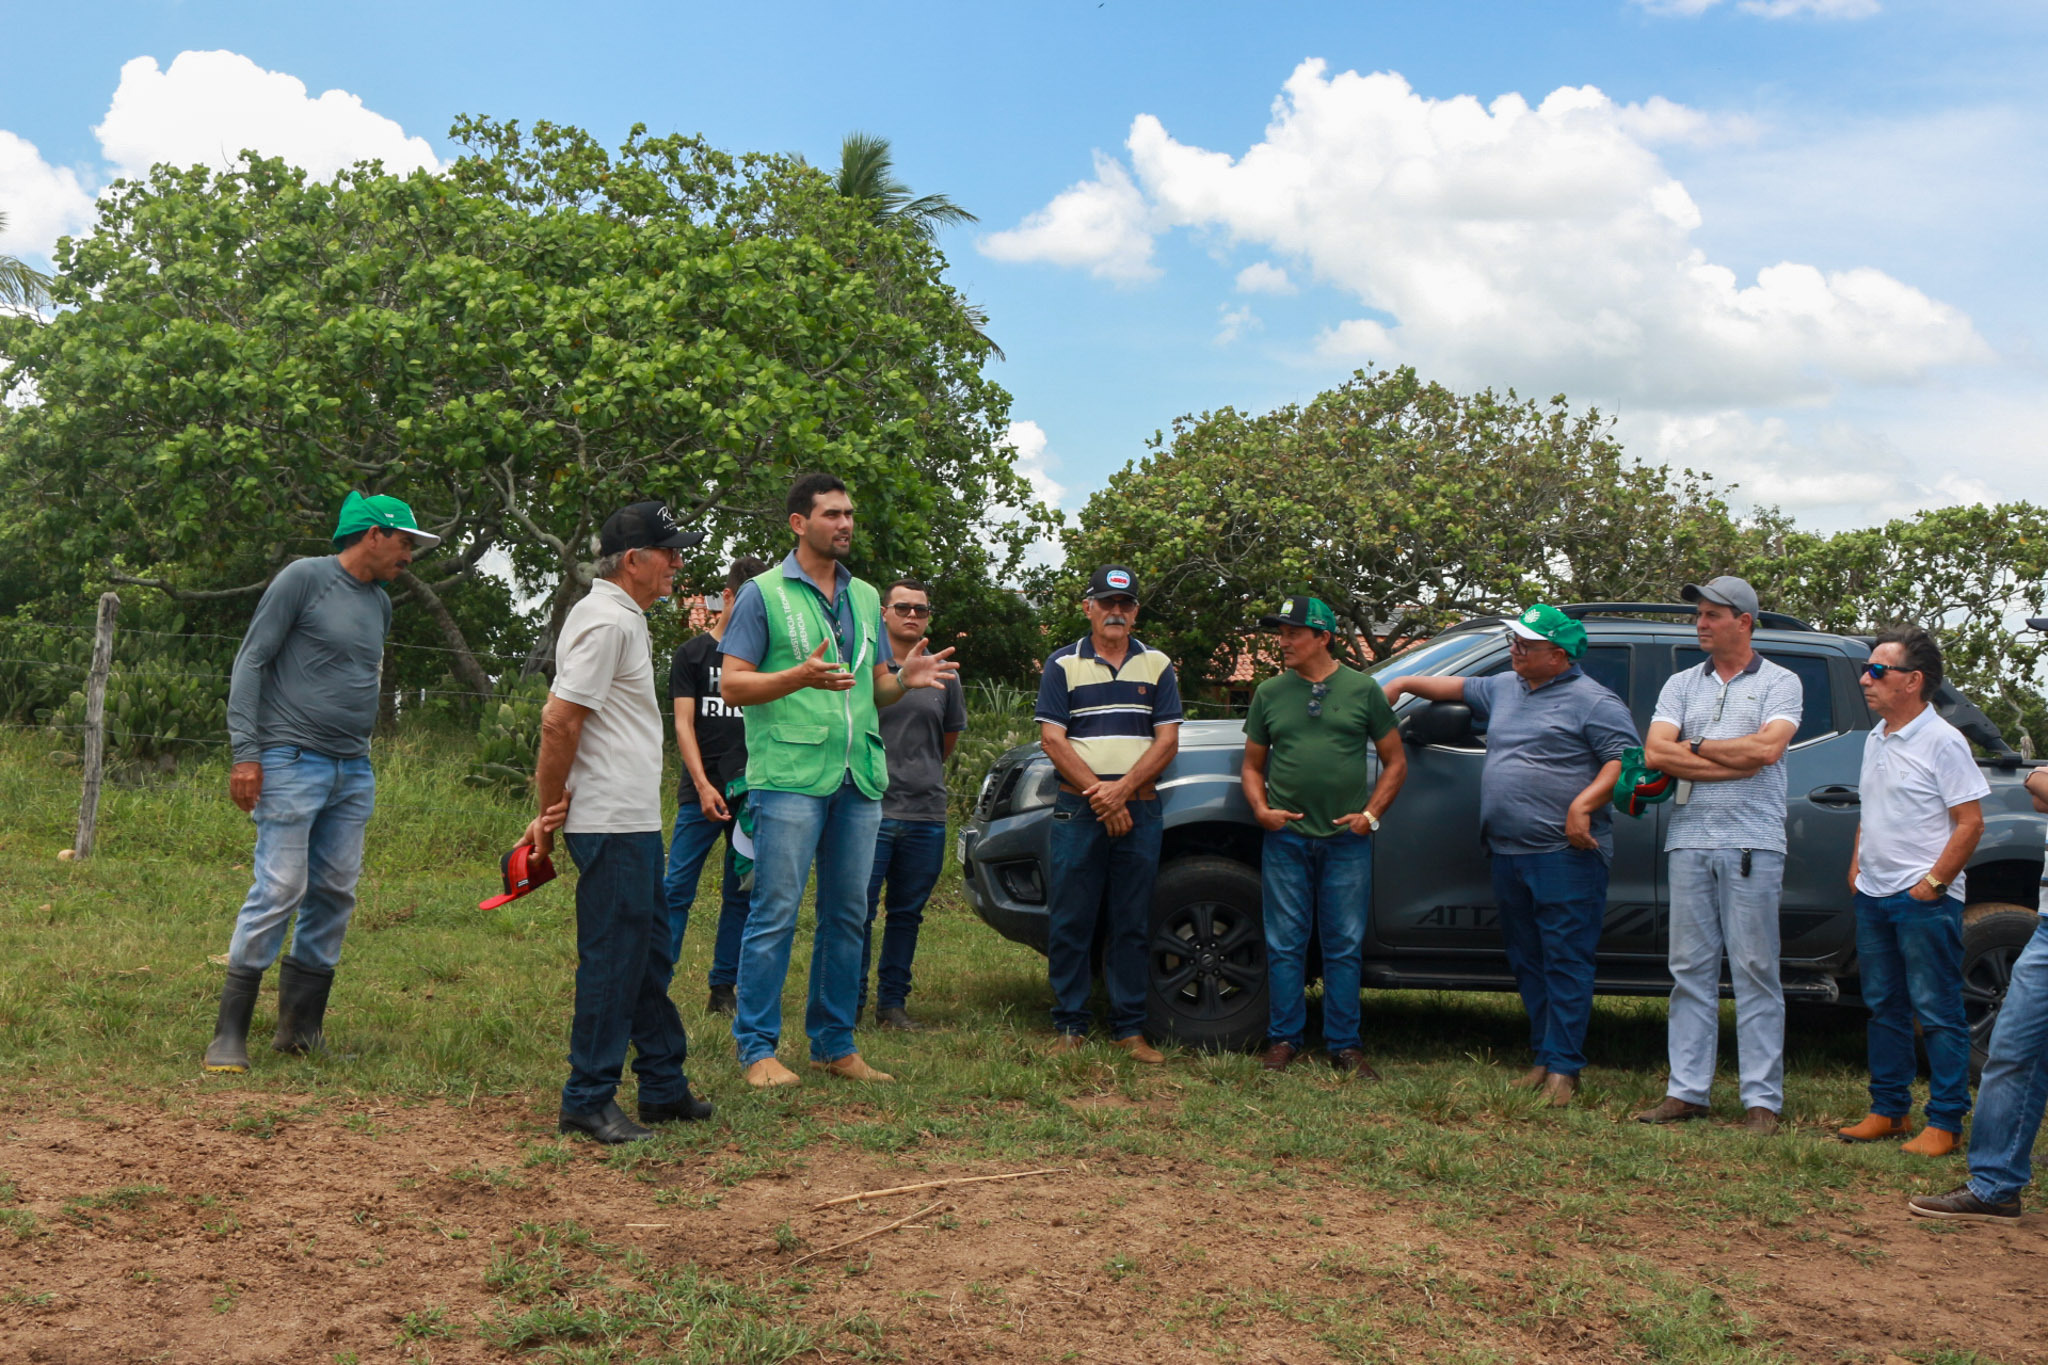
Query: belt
column 1148, row 792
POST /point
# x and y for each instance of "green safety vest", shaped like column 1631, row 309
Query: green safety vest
column 809, row 740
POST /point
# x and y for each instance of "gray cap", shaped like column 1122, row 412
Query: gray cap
column 1728, row 591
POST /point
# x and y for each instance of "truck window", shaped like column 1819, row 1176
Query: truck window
column 1817, row 716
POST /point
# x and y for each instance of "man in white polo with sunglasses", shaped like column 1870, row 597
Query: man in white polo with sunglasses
column 1721, row 728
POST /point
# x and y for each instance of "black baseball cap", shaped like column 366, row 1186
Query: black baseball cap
column 1113, row 580
column 645, row 526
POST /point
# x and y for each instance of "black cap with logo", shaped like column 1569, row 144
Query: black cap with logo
column 645, row 526
column 1113, row 580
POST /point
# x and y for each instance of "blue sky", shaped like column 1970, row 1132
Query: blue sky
column 1158, row 236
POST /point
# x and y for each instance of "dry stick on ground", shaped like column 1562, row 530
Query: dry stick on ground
column 934, row 1184
column 836, row 1246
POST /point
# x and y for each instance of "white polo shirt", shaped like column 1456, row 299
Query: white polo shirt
column 1910, row 782
column 604, row 661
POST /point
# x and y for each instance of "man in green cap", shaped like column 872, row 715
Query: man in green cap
column 301, row 704
column 1554, row 742
column 1309, row 742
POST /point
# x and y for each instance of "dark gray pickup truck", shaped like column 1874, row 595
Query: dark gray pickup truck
column 1432, row 922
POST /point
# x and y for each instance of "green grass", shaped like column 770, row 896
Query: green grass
column 106, row 988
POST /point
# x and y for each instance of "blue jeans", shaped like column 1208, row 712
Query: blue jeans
column 309, row 853
column 1552, row 906
column 1910, row 956
column 908, row 856
column 622, row 971
column 792, row 831
column 1325, row 884
column 2014, row 1089
column 689, row 846
column 1094, row 875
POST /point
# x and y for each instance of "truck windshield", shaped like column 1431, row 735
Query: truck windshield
column 1437, row 656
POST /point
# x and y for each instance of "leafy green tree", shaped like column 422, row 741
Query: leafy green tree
column 516, row 347
column 1969, row 574
column 21, row 285
column 1406, row 506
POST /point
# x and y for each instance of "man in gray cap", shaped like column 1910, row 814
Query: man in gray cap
column 1721, row 729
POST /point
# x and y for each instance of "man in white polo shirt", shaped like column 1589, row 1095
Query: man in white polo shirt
column 1722, row 728
column 1922, row 804
column 599, row 780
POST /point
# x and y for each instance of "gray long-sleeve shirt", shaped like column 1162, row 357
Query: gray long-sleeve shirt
column 306, row 674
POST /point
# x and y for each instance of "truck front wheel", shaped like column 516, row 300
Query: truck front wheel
column 1994, row 932
column 1207, row 955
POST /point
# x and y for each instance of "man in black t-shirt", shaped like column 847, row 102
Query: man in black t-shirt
column 712, row 738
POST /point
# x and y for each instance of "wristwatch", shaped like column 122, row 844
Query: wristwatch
column 1940, row 888
column 1372, row 820
column 1696, row 745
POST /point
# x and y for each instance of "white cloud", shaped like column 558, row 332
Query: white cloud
column 205, row 109
column 1028, row 443
column 1098, row 223
column 1770, row 9
column 1235, row 323
column 1546, row 247
column 210, row 106
column 1263, row 277
column 42, row 202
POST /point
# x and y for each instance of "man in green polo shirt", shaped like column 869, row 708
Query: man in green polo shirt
column 1309, row 741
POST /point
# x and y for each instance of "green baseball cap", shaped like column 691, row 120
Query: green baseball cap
column 1312, row 612
column 1545, row 622
column 360, row 513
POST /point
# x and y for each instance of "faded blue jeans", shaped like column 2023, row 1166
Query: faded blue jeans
column 1096, row 876
column 1323, row 885
column 1910, row 956
column 2014, row 1089
column 1713, row 905
column 310, row 821
column 1552, row 906
column 791, row 832
column 689, row 848
column 622, row 971
column 908, row 857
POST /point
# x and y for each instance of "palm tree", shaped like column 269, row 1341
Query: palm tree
column 867, row 170
column 21, row 285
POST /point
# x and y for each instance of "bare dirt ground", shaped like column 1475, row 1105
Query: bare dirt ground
column 307, row 1237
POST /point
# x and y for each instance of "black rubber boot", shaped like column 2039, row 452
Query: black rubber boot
column 228, row 1053
column 301, row 1007
column 688, row 1109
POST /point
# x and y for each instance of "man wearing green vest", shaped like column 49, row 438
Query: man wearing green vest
column 803, row 657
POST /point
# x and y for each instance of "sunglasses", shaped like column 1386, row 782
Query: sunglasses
column 1877, row 671
column 910, row 608
column 1316, row 693
column 1116, row 603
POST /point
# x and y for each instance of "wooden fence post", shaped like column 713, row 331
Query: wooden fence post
column 96, row 724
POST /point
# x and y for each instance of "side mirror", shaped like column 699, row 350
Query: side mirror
column 1440, row 722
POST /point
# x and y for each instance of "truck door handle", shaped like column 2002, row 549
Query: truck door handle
column 1841, row 798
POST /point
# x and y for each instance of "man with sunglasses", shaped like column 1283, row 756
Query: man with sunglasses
column 1109, row 716
column 1554, row 742
column 918, row 734
column 1309, row 738
column 598, row 778
column 1722, row 729
column 1922, row 814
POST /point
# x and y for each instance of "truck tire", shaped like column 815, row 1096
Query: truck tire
column 1994, row 932
column 1206, row 957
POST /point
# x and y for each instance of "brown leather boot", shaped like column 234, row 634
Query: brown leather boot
column 1532, row 1079
column 1558, row 1090
column 852, row 1068
column 1933, row 1142
column 768, row 1073
column 1761, row 1121
column 1278, row 1057
column 1140, row 1050
column 1876, row 1128
column 1672, row 1110
column 1063, row 1043
column 1351, row 1061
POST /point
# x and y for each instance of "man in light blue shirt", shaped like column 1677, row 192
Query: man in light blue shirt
column 1721, row 729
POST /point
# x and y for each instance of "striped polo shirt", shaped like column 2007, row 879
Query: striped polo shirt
column 1109, row 713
